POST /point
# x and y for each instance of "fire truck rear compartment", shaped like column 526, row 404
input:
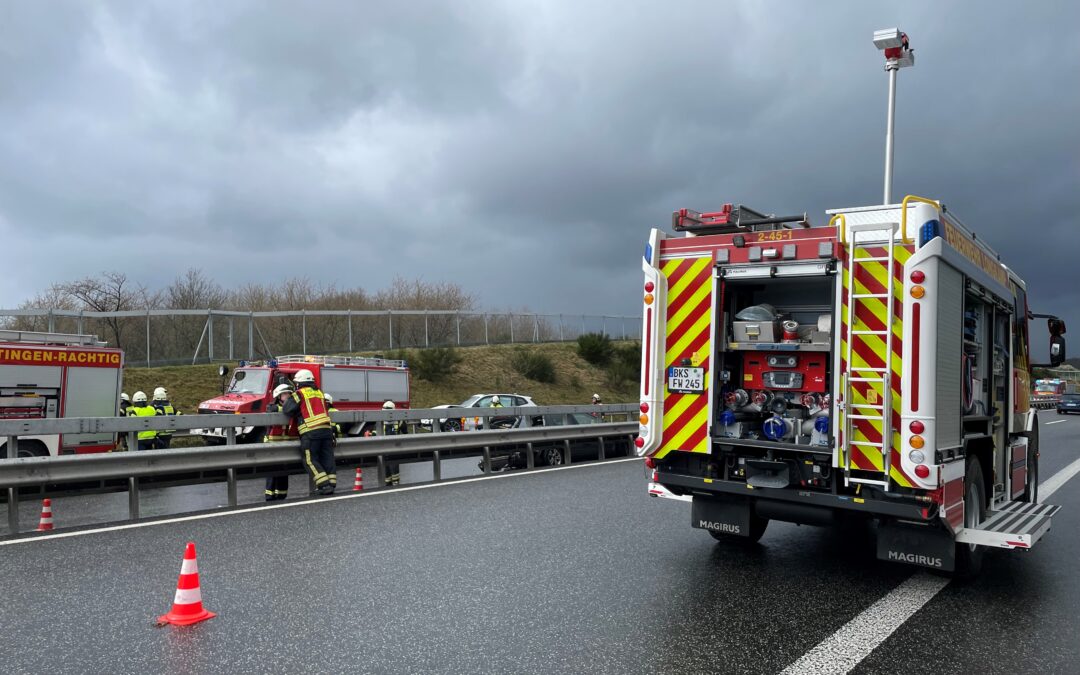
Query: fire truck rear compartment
column 771, row 423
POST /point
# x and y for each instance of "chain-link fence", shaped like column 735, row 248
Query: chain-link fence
column 174, row 336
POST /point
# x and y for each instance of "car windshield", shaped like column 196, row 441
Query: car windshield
column 249, row 382
column 1046, row 387
column 1074, row 398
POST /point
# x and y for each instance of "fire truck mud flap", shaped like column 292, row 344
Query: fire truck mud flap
column 916, row 544
column 724, row 515
column 1012, row 525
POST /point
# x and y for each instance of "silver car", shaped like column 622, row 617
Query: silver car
column 464, row 421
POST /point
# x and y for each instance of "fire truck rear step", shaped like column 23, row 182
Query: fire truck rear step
column 1010, row 525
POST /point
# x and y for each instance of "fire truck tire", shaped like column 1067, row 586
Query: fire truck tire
column 757, row 530
column 968, row 556
column 27, row 449
column 1031, row 493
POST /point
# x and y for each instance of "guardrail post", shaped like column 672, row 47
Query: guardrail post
column 530, row 461
column 12, row 447
column 132, row 440
column 13, row 510
column 566, row 451
column 436, row 466
column 230, row 477
column 133, row 497
column 602, row 454
column 230, row 435
column 487, row 459
column 380, row 470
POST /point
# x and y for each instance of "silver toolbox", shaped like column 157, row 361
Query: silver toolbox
column 757, row 331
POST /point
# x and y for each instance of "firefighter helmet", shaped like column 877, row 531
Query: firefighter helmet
column 139, row 397
column 160, row 394
column 596, row 397
column 328, row 398
column 303, row 375
column 495, row 400
column 125, row 397
column 282, row 389
column 389, row 405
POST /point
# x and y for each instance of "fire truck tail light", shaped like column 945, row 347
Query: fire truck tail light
column 644, row 419
column 648, row 298
column 917, row 292
column 922, row 471
column 918, row 277
column 917, row 441
column 917, row 427
column 644, row 407
column 639, row 442
column 649, row 287
column 917, row 456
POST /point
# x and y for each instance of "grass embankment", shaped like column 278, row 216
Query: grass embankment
column 482, row 369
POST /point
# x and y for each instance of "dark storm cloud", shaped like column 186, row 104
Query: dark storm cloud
column 520, row 149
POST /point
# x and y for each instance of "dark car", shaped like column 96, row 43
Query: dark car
column 552, row 454
column 1069, row 403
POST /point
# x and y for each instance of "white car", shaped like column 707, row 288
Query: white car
column 481, row 401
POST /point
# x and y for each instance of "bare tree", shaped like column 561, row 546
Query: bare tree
column 110, row 292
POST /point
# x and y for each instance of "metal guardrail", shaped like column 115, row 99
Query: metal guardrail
column 43, row 472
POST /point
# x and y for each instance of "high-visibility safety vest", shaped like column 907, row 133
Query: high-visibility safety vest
column 337, row 427
column 165, row 409
column 278, row 432
column 313, row 414
column 144, row 411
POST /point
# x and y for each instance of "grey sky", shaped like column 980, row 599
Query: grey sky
column 522, row 149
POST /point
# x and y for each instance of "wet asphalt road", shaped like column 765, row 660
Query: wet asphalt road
column 567, row 571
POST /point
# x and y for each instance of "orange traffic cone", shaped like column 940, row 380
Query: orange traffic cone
column 187, row 604
column 45, row 524
column 358, row 484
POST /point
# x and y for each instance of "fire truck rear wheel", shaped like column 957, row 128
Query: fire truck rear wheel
column 1031, row 493
column 757, row 530
column 968, row 556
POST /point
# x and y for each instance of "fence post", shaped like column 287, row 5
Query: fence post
column 148, row 338
column 79, row 323
column 582, row 324
column 251, row 335
column 349, row 319
column 427, row 340
column 52, row 322
column 303, row 328
column 457, row 319
column 561, row 338
column 536, row 328
column 622, row 321
column 486, row 340
column 603, row 325
column 511, row 329
column 390, row 318
column 210, row 335
column 231, row 338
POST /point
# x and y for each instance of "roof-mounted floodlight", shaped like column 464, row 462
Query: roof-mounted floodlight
column 898, row 55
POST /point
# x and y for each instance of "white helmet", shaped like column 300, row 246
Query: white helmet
column 282, row 389
column 160, row 394
column 303, row 376
column 139, row 397
column 596, row 397
column 389, row 405
column 495, row 399
column 328, row 398
column 125, row 397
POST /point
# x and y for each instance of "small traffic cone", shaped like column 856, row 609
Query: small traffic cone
column 358, row 484
column 45, row 524
column 187, row 604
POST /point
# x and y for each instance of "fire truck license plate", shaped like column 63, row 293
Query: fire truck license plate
column 686, row 380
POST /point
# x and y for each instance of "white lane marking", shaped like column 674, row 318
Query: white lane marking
column 1055, row 422
column 844, row 649
column 308, row 502
column 853, row 642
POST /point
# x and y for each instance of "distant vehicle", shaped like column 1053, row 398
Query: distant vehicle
column 481, row 401
column 1049, row 388
column 356, row 383
column 1069, row 403
column 551, row 454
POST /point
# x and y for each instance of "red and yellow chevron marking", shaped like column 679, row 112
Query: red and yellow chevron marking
column 688, row 336
column 868, row 351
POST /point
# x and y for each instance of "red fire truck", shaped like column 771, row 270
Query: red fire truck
column 47, row 375
column 877, row 368
column 356, row 383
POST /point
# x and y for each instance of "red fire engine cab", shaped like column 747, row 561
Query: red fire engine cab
column 355, row 383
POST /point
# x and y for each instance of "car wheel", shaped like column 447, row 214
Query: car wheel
column 552, row 456
column 451, row 425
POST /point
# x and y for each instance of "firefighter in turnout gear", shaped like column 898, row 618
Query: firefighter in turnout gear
column 277, row 487
column 140, row 408
column 308, row 406
column 164, row 407
column 393, row 469
column 121, row 442
column 331, row 410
